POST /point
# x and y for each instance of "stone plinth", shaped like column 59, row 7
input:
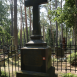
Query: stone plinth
column 50, row 73
column 36, row 59
column 31, row 74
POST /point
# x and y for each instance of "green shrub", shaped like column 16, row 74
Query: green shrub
column 3, row 74
column 69, row 75
column 72, row 57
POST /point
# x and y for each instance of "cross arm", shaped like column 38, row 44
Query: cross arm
column 33, row 2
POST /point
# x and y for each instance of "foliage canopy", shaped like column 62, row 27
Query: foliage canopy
column 66, row 14
column 5, row 21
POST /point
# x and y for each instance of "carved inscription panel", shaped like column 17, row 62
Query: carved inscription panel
column 32, row 58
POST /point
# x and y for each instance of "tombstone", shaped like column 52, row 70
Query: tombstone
column 36, row 55
column 59, row 52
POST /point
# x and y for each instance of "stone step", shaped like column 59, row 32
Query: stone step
column 56, row 75
column 31, row 74
column 51, row 71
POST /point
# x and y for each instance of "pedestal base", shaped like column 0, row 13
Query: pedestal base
column 36, row 60
column 31, row 74
column 50, row 73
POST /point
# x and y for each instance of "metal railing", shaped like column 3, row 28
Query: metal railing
column 68, row 61
column 10, row 61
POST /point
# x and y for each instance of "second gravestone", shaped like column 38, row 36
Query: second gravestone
column 36, row 56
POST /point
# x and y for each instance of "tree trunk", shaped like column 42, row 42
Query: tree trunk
column 21, row 26
column 43, row 33
column 56, row 26
column 23, row 32
column 11, row 8
column 26, row 23
column 61, row 26
column 30, row 19
column 15, row 23
column 75, row 28
column 51, row 32
column 73, row 39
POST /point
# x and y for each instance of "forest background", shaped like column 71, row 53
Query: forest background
column 57, row 20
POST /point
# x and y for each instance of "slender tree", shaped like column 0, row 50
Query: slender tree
column 23, row 32
column 30, row 19
column 24, row 39
column 15, row 23
column 21, row 25
column 26, row 23
column 11, row 8
column 43, row 33
column 61, row 26
column 56, row 26
column 75, row 27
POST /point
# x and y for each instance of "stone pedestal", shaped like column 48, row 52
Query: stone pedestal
column 36, row 60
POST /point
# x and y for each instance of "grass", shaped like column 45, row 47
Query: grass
column 3, row 74
column 68, row 75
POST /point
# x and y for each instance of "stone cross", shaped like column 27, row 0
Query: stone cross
column 36, row 56
column 36, row 16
